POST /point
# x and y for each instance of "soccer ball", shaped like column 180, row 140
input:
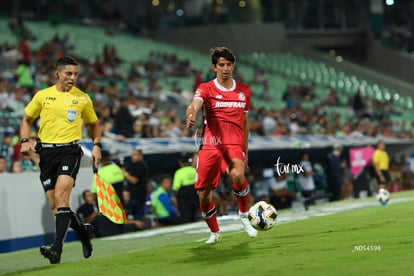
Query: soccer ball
column 383, row 196
column 262, row 216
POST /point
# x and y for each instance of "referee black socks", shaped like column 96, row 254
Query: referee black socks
column 78, row 227
column 63, row 218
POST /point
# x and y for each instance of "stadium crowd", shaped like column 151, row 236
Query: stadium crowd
column 133, row 105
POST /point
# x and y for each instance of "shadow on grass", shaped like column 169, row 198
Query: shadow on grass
column 219, row 253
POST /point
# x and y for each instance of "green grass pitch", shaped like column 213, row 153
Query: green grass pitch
column 335, row 239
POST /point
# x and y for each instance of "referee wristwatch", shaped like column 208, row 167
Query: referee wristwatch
column 98, row 144
column 24, row 140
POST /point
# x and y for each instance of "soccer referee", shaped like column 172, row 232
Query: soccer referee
column 62, row 109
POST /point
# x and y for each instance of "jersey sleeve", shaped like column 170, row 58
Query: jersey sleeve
column 375, row 157
column 201, row 92
column 34, row 106
column 88, row 114
column 165, row 200
column 176, row 181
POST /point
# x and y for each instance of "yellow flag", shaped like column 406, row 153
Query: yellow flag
column 109, row 203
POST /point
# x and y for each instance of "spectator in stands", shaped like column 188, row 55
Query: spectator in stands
column 66, row 43
column 154, row 119
column 16, row 104
column 359, row 104
column 124, row 121
column 334, row 173
column 16, row 167
column 265, row 94
column 198, row 79
column 3, row 164
column 5, row 87
column 268, row 123
column 30, row 162
column 332, row 97
column 7, row 148
column 162, row 205
column 173, row 129
column 24, row 77
column 290, row 96
column 24, row 49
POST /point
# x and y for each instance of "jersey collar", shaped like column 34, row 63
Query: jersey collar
column 222, row 88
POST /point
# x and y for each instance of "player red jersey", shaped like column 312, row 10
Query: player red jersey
column 225, row 109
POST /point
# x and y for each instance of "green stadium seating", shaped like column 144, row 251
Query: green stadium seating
column 281, row 69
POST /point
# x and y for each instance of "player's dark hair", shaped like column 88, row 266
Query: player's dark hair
column 65, row 60
column 224, row 52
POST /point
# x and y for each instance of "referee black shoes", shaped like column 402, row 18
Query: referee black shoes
column 49, row 252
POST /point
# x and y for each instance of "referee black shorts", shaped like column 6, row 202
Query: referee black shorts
column 59, row 160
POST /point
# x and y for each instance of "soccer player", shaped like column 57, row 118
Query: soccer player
column 225, row 104
column 62, row 109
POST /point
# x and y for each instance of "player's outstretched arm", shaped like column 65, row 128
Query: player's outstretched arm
column 192, row 111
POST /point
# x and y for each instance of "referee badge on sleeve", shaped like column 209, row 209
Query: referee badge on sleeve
column 71, row 115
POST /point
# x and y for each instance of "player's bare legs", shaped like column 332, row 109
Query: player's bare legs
column 236, row 171
column 209, row 213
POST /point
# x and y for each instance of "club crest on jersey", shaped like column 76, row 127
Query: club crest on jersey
column 242, row 97
column 71, row 115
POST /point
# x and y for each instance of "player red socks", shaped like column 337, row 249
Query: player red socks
column 242, row 195
column 209, row 214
